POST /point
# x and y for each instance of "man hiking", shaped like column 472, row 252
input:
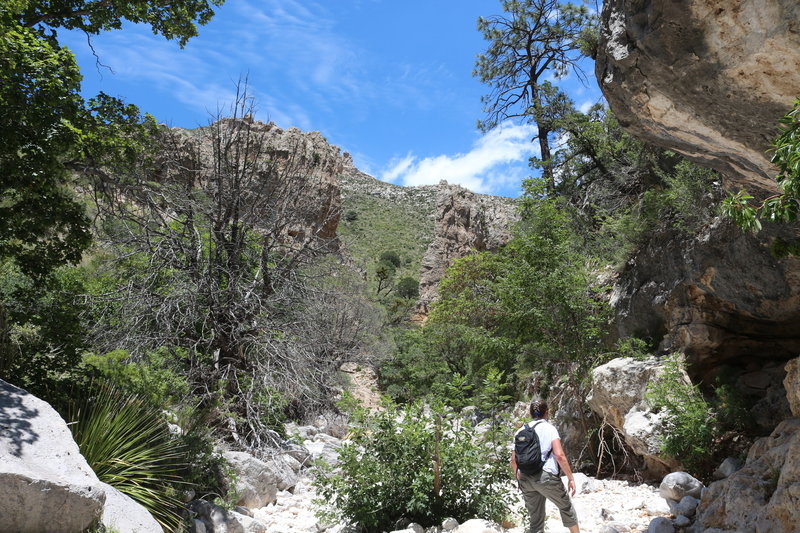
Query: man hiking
column 535, row 465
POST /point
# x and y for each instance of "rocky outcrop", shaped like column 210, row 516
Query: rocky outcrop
column 308, row 197
column 42, row 470
column 763, row 496
column 618, row 398
column 706, row 78
column 465, row 223
column 722, row 299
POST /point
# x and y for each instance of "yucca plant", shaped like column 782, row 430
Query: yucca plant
column 127, row 443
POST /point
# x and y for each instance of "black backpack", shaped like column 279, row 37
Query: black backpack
column 528, row 450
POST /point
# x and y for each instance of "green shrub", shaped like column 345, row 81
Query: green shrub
column 152, row 377
column 407, row 287
column 690, row 427
column 419, row 464
column 127, row 443
column 390, row 256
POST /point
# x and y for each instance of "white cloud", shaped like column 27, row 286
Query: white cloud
column 497, row 160
column 586, row 106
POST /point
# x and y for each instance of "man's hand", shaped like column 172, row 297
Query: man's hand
column 571, row 486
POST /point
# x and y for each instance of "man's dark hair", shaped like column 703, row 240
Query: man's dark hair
column 538, row 408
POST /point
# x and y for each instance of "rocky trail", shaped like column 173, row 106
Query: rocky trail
column 601, row 506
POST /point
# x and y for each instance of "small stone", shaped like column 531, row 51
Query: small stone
column 661, row 525
column 687, row 506
column 679, row 484
column 682, row 521
column 606, row 514
column 243, row 510
column 416, row 528
column 609, row 529
column 728, row 467
column 198, row 526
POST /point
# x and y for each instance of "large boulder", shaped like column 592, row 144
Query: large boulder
column 42, row 470
column 763, row 496
column 257, row 482
column 706, row 78
column 618, row 398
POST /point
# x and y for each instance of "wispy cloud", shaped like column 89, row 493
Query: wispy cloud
column 496, row 161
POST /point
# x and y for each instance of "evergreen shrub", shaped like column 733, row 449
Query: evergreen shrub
column 690, row 427
column 421, row 464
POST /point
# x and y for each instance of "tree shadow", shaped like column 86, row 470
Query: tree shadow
column 16, row 430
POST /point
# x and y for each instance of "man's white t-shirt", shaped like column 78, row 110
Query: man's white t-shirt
column 547, row 433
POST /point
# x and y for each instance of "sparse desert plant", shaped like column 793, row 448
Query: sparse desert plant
column 128, row 444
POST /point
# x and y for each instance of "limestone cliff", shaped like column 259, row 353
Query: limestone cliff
column 465, row 222
column 306, row 158
column 706, row 78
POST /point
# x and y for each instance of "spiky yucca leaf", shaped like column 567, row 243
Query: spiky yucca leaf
column 127, row 443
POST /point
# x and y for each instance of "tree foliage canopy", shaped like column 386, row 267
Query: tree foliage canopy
column 533, row 40
column 782, row 207
column 47, row 129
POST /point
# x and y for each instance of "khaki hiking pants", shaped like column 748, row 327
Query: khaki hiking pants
column 544, row 485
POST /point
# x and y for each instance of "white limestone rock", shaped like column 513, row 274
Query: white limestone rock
column 679, row 484
column 124, row 515
column 41, row 469
column 478, row 526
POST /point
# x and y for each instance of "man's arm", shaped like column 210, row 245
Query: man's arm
column 514, row 464
column 561, row 457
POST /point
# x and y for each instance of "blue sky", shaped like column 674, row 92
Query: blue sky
column 390, row 82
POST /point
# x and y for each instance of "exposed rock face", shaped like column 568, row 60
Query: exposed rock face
column 466, row 223
column 792, row 385
column 306, row 158
column 123, row 515
column 618, row 397
column 42, row 470
column 706, row 78
column 722, row 299
column 763, row 496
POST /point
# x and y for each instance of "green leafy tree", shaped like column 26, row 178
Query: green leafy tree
column 390, row 256
column 533, row 40
column 407, row 287
column 690, row 427
column 48, row 131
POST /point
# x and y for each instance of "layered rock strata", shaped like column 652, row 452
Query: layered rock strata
column 706, row 78
column 308, row 200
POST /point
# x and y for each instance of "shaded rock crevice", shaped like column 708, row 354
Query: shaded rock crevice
column 721, row 298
